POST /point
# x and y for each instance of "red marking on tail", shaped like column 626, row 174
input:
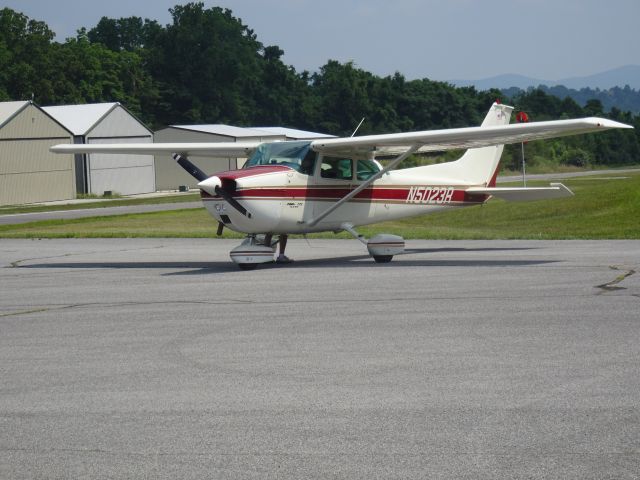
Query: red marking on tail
column 492, row 182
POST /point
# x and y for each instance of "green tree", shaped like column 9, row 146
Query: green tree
column 344, row 96
column 129, row 34
column 207, row 67
column 90, row 72
column 24, row 56
column 283, row 96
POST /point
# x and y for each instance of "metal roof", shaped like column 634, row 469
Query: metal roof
column 293, row 133
column 225, row 130
column 242, row 132
column 9, row 109
column 80, row 119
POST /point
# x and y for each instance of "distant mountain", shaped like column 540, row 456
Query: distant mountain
column 618, row 77
column 625, row 99
column 501, row 82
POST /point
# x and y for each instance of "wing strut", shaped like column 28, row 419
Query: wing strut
column 364, row 185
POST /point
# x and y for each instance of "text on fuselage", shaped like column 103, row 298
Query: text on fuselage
column 430, row 195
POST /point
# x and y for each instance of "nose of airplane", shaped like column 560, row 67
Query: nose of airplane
column 210, row 185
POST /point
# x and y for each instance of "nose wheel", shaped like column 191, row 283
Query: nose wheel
column 249, row 254
column 247, row 266
column 256, row 250
column 382, row 258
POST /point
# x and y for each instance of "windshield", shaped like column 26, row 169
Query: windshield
column 288, row 154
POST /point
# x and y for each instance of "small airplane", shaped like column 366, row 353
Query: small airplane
column 337, row 184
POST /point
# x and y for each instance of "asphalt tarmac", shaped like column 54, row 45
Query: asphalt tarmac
column 154, row 358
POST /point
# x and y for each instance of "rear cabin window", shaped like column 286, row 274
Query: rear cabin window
column 366, row 169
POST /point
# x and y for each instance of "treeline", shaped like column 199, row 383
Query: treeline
column 623, row 98
column 206, row 66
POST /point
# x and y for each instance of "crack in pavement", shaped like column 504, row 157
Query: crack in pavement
column 36, row 310
column 16, row 263
column 275, row 302
column 613, row 285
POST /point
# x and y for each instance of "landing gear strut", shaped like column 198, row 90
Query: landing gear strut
column 282, row 244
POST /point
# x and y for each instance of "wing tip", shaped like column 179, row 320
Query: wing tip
column 607, row 123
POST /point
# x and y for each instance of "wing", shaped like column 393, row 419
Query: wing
column 221, row 149
column 387, row 144
column 462, row 138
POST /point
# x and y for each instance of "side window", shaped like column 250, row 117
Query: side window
column 366, row 169
column 339, row 168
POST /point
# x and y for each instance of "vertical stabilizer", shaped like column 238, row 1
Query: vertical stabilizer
column 478, row 166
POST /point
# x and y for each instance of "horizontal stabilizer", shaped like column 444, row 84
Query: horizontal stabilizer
column 522, row 194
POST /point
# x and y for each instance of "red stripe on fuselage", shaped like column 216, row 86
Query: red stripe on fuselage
column 379, row 194
column 389, row 194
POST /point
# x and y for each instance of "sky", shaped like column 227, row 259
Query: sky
column 436, row 39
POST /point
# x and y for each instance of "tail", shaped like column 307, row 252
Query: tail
column 481, row 165
column 478, row 166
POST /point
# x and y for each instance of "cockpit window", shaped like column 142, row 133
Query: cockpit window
column 296, row 155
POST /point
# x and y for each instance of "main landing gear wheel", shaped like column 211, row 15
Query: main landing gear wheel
column 382, row 247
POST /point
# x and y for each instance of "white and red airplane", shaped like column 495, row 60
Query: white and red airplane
column 336, row 184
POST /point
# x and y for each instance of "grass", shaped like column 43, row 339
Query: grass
column 174, row 223
column 89, row 196
column 602, row 208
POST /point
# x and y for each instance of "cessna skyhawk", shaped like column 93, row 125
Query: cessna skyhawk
column 336, row 184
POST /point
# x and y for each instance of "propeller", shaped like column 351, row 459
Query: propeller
column 210, row 182
column 230, row 200
column 190, row 167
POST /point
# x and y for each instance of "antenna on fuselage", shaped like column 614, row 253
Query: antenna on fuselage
column 356, row 130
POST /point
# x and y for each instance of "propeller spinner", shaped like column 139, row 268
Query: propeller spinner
column 211, row 185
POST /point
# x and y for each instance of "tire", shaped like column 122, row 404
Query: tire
column 382, row 258
column 247, row 266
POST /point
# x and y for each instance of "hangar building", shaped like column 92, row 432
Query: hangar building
column 107, row 123
column 29, row 173
column 170, row 176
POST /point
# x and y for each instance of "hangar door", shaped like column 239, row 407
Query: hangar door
column 124, row 174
